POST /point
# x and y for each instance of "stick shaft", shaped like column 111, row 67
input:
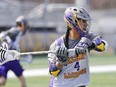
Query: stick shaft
column 43, row 52
column 37, row 52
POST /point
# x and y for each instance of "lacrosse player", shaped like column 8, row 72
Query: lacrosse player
column 10, row 41
column 71, row 69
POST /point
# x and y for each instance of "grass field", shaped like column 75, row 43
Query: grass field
column 97, row 79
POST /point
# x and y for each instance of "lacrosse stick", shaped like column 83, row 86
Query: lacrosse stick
column 26, row 58
column 9, row 55
column 43, row 52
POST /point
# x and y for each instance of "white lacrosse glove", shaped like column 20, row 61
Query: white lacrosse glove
column 82, row 46
column 7, row 55
column 62, row 55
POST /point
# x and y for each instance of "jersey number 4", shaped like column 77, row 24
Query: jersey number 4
column 77, row 66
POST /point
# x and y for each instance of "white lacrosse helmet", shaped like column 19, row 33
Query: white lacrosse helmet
column 73, row 14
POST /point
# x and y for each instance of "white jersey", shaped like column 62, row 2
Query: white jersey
column 76, row 73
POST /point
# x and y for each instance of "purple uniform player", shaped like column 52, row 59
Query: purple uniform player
column 12, row 38
column 71, row 69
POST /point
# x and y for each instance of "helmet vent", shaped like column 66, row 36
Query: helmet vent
column 81, row 12
column 75, row 9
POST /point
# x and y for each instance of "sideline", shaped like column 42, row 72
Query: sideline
column 44, row 72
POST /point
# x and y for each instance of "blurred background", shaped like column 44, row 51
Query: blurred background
column 47, row 24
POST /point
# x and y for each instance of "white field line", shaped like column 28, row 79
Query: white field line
column 103, row 68
column 44, row 72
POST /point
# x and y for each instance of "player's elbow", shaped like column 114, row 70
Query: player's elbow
column 53, row 70
column 55, row 73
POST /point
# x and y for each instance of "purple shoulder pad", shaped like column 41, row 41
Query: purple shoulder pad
column 60, row 41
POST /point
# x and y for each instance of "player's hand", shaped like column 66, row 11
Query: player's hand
column 82, row 46
column 84, row 42
column 80, row 50
column 62, row 55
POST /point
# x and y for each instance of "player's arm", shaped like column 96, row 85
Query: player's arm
column 55, row 61
column 54, row 66
column 9, row 35
column 55, row 69
column 13, row 33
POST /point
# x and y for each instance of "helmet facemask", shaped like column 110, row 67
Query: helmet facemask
column 84, row 25
column 88, row 26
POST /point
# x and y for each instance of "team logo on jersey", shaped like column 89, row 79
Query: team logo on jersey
column 79, row 71
column 74, row 74
column 76, row 58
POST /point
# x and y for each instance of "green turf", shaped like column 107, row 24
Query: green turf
column 103, row 80
column 98, row 59
column 102, row 59
column 37, row 62
column 39, row 81
column 97, row 80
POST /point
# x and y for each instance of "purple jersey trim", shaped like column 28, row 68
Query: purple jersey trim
column 51, row 82
column 60, row 41
column 53, row 67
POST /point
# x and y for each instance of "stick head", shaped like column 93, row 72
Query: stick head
column 8, row 55
column 26, row 58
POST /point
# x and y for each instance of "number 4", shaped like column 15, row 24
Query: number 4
column 77, row 66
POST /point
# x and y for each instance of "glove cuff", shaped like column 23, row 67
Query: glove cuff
column 97, row 40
